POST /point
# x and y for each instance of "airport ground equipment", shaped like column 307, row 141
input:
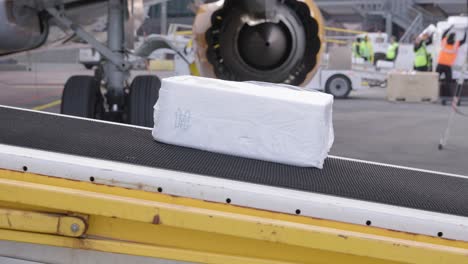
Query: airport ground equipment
column 78, row 183
column 339, row 74
column 340, row 83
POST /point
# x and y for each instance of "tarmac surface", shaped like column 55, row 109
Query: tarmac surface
column 366, row 126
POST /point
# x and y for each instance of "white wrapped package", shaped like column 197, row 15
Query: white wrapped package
column 253, row 120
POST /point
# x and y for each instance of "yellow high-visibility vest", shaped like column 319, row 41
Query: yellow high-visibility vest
column 365, row 48
column 420, row 59
column 391, row 51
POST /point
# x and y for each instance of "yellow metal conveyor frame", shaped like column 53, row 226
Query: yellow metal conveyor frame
column 59, row 212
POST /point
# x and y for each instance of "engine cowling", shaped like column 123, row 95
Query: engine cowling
column 261, row 40
column 21, row 27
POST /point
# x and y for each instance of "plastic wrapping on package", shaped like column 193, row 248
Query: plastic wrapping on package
column 262, row 121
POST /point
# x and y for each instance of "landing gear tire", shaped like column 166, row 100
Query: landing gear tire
column 82, row 97
column 144, row 92
column 339, row 86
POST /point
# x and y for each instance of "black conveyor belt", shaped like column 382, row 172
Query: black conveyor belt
column 349, row 179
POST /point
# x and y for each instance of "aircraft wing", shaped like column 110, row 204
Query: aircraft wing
column 24, row 26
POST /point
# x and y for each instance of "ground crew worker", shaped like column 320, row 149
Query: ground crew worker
column 429, row 61
column 366, row 50
column 392, row 51
column 448, row 55
column 356, row 43
column 422, row 57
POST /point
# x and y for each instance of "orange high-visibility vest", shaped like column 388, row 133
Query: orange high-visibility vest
column 448, row 53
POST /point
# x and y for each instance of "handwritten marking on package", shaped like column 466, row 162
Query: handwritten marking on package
column 182, row 119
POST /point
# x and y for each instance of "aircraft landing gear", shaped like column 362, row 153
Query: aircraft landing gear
column 144, row 93
column 82, row 95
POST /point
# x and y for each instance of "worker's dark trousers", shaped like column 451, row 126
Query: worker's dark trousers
column 421, row 68
column 447, row 71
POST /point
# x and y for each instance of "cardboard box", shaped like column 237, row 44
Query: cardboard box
column 413, row 86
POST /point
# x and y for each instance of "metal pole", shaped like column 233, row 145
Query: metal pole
column 456, row 99
column 389, row 25
column 115, row 41
column 163, row 18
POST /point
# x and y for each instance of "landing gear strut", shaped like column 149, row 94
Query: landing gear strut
column 82, row 93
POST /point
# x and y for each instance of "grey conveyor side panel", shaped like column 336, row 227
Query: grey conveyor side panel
column 342, row 178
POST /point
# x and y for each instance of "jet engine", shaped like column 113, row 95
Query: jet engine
column 21, row 27
column 262, row 40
